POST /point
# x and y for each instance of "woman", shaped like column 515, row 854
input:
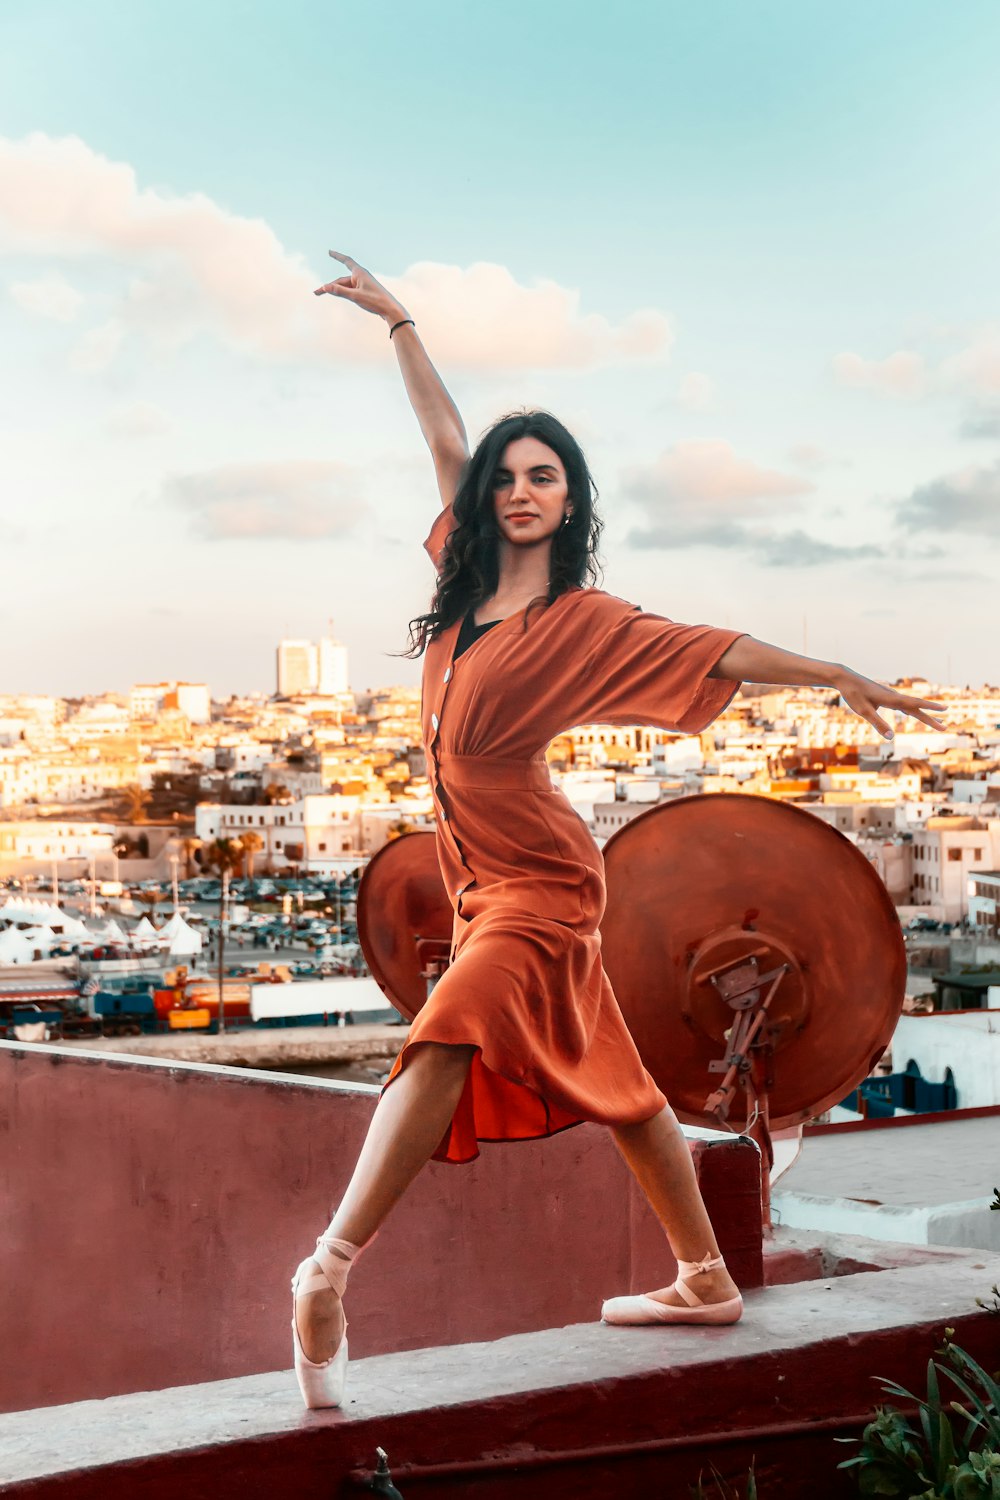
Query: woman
column 522, row 1036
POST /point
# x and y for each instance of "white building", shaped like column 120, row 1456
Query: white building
column 306, row 667
column 298, row 668
column 44, row 844
column 147, row 700
column 984, row 901
column 958, row 1047
column 332, row 675
column 677, row 752
column 313, row 832
column 946, row 853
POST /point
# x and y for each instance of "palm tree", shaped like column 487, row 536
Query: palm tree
column 137, row 799
column 226, row 856
column 250, row 842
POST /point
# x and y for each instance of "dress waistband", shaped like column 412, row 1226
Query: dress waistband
column 485, row 771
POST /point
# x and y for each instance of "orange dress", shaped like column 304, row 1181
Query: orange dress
column 525, row 879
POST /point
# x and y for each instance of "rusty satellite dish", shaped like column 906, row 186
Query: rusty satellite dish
column 404, row 920
column 755, row 954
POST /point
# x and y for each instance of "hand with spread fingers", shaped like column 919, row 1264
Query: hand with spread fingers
column 865, row 697
column 360, row 287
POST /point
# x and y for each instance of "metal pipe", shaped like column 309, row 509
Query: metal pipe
column 499, row 1463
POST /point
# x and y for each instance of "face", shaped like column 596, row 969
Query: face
column 530, row 492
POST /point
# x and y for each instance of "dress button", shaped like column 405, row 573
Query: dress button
column 447, row 675
column 435, row 721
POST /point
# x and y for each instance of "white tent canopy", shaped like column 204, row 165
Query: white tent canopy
column 41, row 938
column 144, row 932
column 15, row 947
column 172, row 925
column 30, row 909
column 184, row 941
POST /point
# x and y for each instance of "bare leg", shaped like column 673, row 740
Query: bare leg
column 660, row 1158
column 407, row 1127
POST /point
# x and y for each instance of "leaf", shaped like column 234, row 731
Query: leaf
column 988, row 1415
column 945, row 1452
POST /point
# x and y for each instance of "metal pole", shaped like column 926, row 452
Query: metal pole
column 223, row 919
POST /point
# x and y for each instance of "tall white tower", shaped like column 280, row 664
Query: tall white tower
column 297, row 667
column 333, row 674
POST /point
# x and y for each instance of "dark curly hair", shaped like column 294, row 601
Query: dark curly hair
column 470, row 564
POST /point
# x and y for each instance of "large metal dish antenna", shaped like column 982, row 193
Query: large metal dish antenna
column 756, row 956
column 404, row 920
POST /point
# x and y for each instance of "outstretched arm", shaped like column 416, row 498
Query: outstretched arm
column 439, row 418
column 750, row 660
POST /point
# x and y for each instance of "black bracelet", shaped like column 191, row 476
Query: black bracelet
column 392, row 330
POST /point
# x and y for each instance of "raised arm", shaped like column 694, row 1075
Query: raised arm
column 750, row 660
column 439, row 417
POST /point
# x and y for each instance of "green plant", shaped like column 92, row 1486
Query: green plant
column 996, row 1199
column 723, row 1489
column 934, row 1456
column 991, row 1307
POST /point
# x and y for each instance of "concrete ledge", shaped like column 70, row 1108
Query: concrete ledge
column 805, row 1255
column 605, row 1407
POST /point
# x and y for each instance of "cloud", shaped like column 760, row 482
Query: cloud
column 965, row 500
column 196, row 267
column 793, row 549
column 981, row 422
column 899, row 374
column 297, row 500
column 481, row 316
column 139, row 419
column 49, row 297
column 702, row 495
column 692, row 480
column 976, row 368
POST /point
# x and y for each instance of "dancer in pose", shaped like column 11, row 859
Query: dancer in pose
column 522, row 1035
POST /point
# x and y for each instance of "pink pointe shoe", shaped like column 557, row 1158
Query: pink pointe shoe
column 635, row 1310
column 323, row 1384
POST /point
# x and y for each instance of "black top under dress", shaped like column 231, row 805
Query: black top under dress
column 470, row 633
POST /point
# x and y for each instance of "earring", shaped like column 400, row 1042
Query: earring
column 567, row 518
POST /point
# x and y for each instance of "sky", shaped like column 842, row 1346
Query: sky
column 746, row 250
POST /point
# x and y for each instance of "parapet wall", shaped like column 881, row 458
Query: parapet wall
column 154, row 1213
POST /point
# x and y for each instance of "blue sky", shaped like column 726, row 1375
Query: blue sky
column 747, row 251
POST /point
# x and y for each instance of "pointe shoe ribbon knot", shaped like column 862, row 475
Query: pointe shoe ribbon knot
column 708, row 1262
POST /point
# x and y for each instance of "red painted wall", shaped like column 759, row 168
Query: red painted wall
column 154, row 1212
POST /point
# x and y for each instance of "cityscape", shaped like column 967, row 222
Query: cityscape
column 313, row 778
